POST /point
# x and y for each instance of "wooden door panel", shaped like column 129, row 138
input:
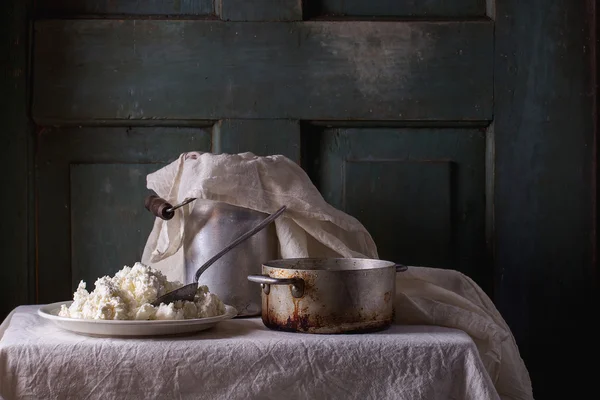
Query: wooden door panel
column 419, row 191
column 91, row 186
column 405, row 205
column 259, row 10
column 393, row 8
column 209, row 70
column 123, row 7
column 109, row 225
column 260, row 136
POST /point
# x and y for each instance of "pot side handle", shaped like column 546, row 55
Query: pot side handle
column 401, row 268
column 297, row 284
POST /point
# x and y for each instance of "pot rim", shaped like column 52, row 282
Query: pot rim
column 329, row 264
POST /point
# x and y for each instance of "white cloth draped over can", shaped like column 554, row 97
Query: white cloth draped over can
column 311, row 227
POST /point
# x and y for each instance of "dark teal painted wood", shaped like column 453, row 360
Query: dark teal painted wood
column 101, row 69
column 60, row 152
column 402, row 8
column 545, row 202
column 259, row 10
column 64, row 8
column 406, row 206
column 109, row 225
column 261, row 137
column 16, row 271
column 407, row 162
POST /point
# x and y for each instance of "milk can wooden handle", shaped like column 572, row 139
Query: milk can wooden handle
column 159, row 207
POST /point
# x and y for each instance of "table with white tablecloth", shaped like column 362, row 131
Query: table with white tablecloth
column 239, row 359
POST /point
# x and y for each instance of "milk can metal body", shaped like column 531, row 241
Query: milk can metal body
column 209, row 228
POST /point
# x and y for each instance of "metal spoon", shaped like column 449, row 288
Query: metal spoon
column 187, row 292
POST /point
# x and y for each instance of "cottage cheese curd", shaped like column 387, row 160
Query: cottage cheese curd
column 129, row 293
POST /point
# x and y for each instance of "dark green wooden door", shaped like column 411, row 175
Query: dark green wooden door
column 389, row 117
column 455, row 130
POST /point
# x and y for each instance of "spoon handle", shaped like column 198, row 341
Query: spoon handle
column 239, row 240
column 159, row 207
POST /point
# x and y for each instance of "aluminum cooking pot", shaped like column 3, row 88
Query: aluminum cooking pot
column 328, row 295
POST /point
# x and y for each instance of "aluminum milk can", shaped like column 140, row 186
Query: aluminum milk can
column 208, row 229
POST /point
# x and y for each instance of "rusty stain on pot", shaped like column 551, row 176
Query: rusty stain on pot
column 387, row 296
column 301, row 321
column 297, row 322
column 320, row 324
column 265, row 309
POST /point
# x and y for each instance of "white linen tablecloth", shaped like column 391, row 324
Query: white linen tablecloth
column 239, row 359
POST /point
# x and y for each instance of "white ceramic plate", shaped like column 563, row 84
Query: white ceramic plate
column 119, row 328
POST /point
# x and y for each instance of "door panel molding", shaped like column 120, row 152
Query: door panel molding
column 120, row 8
column 259, row 10
column 69, row 156
column 446, row 187
column 262, row 137
column 394, row 8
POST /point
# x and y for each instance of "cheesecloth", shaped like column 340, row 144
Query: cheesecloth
column 312, row 228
